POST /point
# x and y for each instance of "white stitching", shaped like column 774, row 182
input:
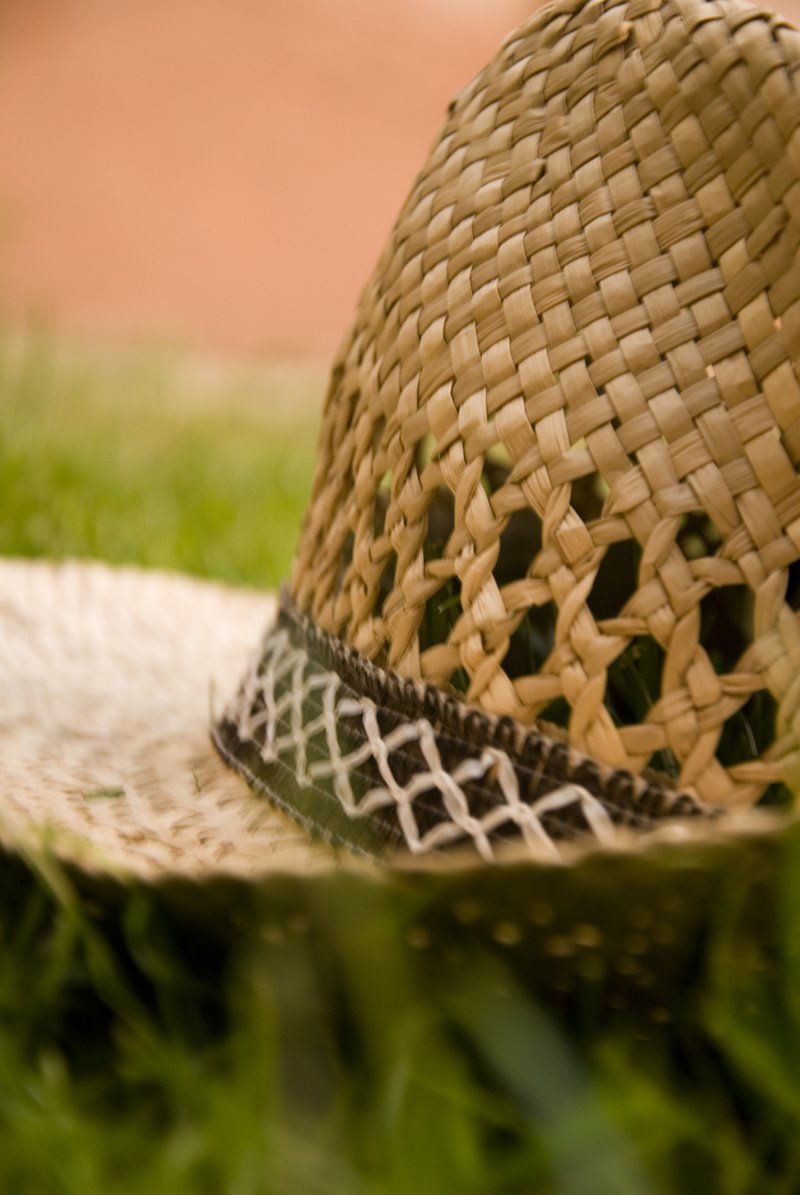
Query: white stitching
column 281, row 662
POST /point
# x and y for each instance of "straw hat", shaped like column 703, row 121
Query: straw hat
column 545, row 593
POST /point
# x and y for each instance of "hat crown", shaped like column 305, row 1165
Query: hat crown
column 558, row 462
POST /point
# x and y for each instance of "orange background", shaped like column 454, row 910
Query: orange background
column 219, row 173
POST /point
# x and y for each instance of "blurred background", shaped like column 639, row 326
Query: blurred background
column 217, row 173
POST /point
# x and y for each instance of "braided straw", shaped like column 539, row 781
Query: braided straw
column 558, row 466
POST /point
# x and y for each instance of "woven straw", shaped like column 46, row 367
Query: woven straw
column 107, row 677
column 546, row 592
column 561, row 440
column 108, row 680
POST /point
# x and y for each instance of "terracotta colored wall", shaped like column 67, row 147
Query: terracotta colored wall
column 218, row 172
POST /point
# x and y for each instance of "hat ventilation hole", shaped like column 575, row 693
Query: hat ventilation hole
column 697, row 536
column 616, row 580
column 532, row 642
column 344, row 562
column 793, row 587
column 726, row 630
column 634, row 681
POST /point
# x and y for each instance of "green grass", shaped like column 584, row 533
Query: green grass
column 627, row 1028
column 141, row 460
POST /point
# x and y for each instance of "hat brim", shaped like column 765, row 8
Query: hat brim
column 110, row 679
column 108, row 682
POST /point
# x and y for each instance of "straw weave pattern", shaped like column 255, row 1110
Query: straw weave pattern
column 562, row 435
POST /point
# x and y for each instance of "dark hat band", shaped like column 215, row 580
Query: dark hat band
column 377, row 763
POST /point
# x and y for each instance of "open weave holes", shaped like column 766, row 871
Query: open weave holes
column 558, row 466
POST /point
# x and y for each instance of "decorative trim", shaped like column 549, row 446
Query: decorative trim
column 366, row 759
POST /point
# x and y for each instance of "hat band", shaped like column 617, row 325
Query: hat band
column 369, row 760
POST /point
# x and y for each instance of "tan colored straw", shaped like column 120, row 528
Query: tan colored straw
column 106, row 682
column 562, row 437
column 108, row 679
